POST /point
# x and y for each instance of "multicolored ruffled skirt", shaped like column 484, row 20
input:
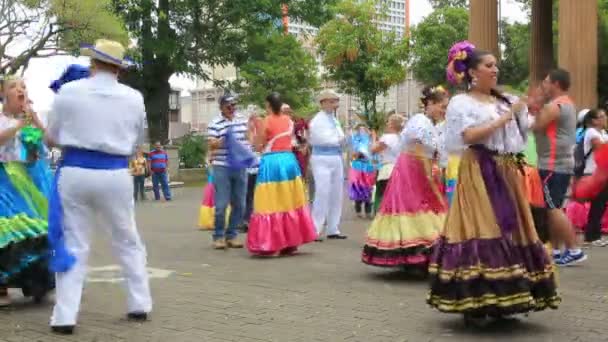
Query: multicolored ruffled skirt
column 361, row 179
column 489, row 259
column 206, row 214
column 24, row 253
column 410, row 216
column 281, row 217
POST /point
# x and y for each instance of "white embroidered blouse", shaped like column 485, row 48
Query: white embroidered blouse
column 12, row 149
column 420, row 130
column 464, row 112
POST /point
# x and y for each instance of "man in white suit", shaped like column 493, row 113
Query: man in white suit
column 327, row 141
column 97, row 122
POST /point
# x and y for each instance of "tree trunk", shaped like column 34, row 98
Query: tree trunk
column 156, row 98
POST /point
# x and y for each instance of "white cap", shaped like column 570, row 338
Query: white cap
column 581, row 115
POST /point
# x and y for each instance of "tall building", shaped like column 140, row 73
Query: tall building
column 394, row 21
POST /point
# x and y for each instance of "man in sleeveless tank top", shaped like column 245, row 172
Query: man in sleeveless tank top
column 555, row 133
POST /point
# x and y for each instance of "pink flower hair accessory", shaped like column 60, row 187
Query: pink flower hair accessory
column 457, row 61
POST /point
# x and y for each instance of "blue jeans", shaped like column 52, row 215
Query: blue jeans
column 160, row 179
column 230, row 188
column 138, row 187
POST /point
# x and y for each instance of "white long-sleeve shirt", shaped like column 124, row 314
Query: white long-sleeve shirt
column 98, row 114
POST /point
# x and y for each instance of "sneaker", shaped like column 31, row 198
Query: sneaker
column 599, row 243
column 557, row 255
column 234, row 243
column 569, row 259
column 219, row 244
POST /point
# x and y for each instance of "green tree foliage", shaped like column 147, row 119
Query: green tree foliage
column 431, row 40
column 278, row 62
column 182, row 36
column 449, row 3
column 192, row 151
column 514, row 67
column 41, row 28
column 363, row 60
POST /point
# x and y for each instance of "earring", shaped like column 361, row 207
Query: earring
column 474, row 81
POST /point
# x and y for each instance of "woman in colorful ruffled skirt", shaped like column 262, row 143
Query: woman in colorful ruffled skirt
column 362, row 174
column 489, row 261
column 413, row 210
column 281, row 220
column 25, row 181
column 206, row 215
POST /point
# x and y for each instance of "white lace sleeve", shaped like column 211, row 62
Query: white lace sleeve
column 420, row 130
column 460, row 115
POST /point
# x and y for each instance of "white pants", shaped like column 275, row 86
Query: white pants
column 328, row 172
column 89, row 196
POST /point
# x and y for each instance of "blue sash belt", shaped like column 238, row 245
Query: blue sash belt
column 60, row 259
column 327, row 150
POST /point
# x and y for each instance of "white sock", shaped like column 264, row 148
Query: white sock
column 575, row 251
column 556, row 252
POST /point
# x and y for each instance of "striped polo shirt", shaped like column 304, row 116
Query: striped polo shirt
column 218, row 129
column 158, row 161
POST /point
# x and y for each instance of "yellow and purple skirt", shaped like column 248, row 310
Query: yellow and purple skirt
column 281, row 217
column 409, row 219
column 489, row 259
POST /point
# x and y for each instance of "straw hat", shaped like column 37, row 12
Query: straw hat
column 328, row 94
column 107, row 51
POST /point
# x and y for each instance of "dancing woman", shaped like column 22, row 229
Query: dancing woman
column 281, row 220
column 362, row 175
column 489, row 260
column 412, row 211
column 25, row 180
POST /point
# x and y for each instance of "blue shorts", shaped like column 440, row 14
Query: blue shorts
column 555, row 187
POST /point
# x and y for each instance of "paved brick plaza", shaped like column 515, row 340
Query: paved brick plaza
column 323, row 294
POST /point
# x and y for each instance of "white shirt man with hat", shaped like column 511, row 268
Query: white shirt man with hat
column 327, row 141
column 97, row 122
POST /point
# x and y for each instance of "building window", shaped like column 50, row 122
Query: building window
column 174, row 100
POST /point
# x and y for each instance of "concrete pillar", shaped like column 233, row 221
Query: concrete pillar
column 578, row 48
column 483, row 25
column 541, row 42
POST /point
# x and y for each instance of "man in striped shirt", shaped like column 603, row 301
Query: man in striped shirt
column 159, row 162
column 230, row 184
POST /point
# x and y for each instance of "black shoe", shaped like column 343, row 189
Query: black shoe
column 137, row 316
column 63, row 329
column 337, row 237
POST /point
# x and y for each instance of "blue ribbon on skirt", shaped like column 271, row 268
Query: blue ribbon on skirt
column 61, row 260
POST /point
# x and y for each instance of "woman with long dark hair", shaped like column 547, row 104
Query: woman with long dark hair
column 489, row 260
column 413, row 210
column 281, row 220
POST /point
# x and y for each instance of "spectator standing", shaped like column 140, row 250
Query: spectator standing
column 159, row 162
column 139, row 168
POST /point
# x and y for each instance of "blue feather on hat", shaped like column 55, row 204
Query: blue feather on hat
column 72, row 73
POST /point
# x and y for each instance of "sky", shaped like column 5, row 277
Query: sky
column 42, row 72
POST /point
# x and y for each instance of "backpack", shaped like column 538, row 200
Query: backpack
column 580, row 158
